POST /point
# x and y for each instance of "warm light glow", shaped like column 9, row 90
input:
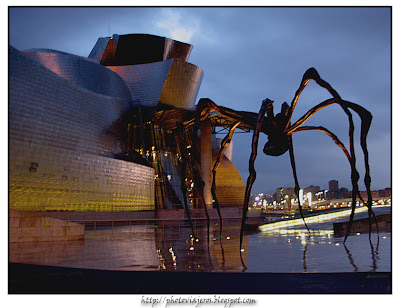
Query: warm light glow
column 311, row 219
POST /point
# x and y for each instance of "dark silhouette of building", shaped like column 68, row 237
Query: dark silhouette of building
column 333, row 185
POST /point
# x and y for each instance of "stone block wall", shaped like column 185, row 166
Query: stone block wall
column 30, row 227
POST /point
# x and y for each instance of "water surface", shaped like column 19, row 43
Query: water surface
column 171, row 246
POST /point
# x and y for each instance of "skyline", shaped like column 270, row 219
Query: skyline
column 259, row 57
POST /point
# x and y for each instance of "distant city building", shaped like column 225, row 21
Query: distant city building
column 282, row 192
column 387, row 192
column 333, row 185
column 344, row 193
column 374, row 194
column 312, row 189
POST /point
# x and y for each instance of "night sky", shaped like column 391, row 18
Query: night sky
column 249, row 54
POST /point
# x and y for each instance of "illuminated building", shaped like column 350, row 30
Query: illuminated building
column 95, row 134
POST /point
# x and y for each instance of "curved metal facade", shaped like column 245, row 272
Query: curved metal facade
column 82, row 72
column 229, row 185
column 60, row 136
column 182, row 85
column 132, row 49
column 145, row 81
column 172, row 82
column 154, row 68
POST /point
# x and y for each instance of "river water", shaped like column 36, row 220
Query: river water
column 171, row 247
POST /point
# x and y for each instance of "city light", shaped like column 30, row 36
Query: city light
column 301, row 199
column 309, row 197
column 310, row 219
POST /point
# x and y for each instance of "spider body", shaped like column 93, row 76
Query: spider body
column 278, row 140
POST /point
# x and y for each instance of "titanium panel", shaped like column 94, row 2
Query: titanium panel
column 182, row 85
column 177, row 50
column 99, row 48
column 145, row 81
column 83, row 72
column 45, row 109
column 229, row 188
column 133, row 49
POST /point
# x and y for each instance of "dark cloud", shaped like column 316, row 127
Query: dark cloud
column 248, row 54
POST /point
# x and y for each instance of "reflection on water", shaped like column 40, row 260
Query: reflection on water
column 178, row 250
column 171, row 247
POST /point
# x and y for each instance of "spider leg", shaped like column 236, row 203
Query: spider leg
column 252, row 172
column 181, row 144
column 224, row 145
column 341, row 145
column 201, row 108
column 354, row 172
column 366, row 120
column 297, row 187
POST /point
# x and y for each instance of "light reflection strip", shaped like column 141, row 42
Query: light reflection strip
column 311, row 219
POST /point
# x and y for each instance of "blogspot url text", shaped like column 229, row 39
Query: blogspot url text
column 196, row 301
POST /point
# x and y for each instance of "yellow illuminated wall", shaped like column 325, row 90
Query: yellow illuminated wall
column 48, row 179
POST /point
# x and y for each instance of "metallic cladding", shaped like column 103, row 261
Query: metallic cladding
column 82, row 72
column 182, row 85
column 59, row 135
column 172, row 82
column 176, row 50
column 229, row 188
column 99, row 48
column 145, row 81
column 133, row 49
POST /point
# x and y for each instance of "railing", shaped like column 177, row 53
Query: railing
column 97, row 223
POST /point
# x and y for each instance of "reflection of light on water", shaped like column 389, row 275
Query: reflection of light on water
column 312, row 219
column 162, row 260
column 302, row 234
column 173, row 256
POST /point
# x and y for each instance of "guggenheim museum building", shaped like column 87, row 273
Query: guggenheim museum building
column 112, row 132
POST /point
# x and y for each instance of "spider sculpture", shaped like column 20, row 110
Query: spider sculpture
column 279, row 130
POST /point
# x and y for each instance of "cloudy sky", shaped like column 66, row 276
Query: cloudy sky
column 249, row 54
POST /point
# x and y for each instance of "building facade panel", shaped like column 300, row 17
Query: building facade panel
column 177, row 50
column 99, row 49
column 46, row 110
column 229, row 188
column 83, row 72
column 145, row 81
column 133, row 49
column 48, row 179
column 182, row 85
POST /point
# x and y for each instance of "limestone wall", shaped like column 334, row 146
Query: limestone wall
column 29, row 227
